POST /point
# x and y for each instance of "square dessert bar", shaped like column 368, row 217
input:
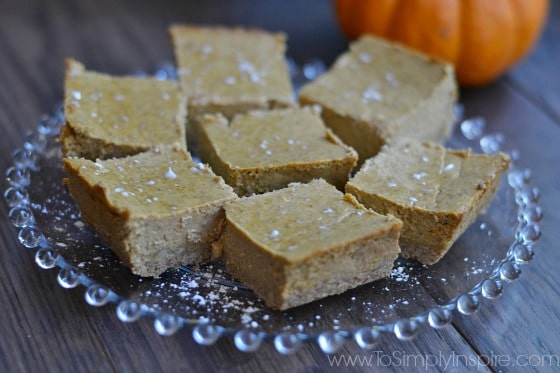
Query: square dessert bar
column 110, row 116
column 261, row 151
column 378, row 90
column 230, row 71
column 305, row 242
column 155, row 210
column 436, row 192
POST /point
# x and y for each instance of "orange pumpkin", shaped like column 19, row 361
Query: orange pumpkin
column 482, row 38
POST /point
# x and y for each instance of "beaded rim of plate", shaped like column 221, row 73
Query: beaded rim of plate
column 520, row 251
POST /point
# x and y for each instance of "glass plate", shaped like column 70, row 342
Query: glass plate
column 212, row 304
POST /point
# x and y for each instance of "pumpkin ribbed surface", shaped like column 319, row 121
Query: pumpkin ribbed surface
column 482, row 38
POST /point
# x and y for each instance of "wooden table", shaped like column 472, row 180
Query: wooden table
column 46, row 328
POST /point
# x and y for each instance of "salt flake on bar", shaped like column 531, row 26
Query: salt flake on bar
column 170, row 174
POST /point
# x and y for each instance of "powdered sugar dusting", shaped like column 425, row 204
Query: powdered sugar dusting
column 207, row 292
column 399, row 274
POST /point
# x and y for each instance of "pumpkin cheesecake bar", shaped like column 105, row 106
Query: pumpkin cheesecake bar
column 155, row 210
column 109, row 116
column 230, row 71
column 379, row 90
column 436, row 192
column 305, row 242
column 261, row 151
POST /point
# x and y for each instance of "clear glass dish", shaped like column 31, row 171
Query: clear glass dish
column 211, row 304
